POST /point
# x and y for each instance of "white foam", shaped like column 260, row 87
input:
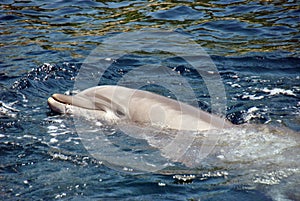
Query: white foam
column 46, row 64
column 53, row 140
column 252, row 97
column 236, row 85
column 161, row 184
column 60, row 156
column 52, row 128
column 251, row 113
column 274, row 177
column 7, row 109
column 58, row 196
column 277, row 91
column 252, row 109
column 55, row 133
column 24, row 99
column 98, row 123
column 29, row 136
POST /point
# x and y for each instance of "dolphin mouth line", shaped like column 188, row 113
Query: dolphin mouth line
column 57, row 105
column 63, row 104
column 57, row 99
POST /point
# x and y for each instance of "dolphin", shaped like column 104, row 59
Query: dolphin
column 120, row 104
column 261, row 157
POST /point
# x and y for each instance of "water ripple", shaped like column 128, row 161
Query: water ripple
column 229, row 27
column 255, row 46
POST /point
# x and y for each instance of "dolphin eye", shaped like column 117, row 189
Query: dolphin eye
column 120, row 113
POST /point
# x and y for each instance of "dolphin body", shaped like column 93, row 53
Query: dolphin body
column 261, row 157
column 116, row 103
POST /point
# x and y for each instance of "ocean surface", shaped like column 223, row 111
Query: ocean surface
column 60, row 46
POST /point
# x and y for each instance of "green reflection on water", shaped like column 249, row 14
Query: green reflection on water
column 36, row 24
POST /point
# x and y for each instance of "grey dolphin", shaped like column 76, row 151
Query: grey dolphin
column 116, row 103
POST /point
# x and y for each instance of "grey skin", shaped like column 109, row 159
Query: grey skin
column 115, row 103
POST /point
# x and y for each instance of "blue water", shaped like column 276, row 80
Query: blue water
column 254, row 45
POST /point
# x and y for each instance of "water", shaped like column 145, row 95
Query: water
column 254, row 44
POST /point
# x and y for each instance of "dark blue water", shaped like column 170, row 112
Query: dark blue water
column 254, row 45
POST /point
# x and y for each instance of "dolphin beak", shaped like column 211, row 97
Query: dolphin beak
column 59, row 102
column 56, row 106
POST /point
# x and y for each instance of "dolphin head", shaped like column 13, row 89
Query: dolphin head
column 89, row 103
